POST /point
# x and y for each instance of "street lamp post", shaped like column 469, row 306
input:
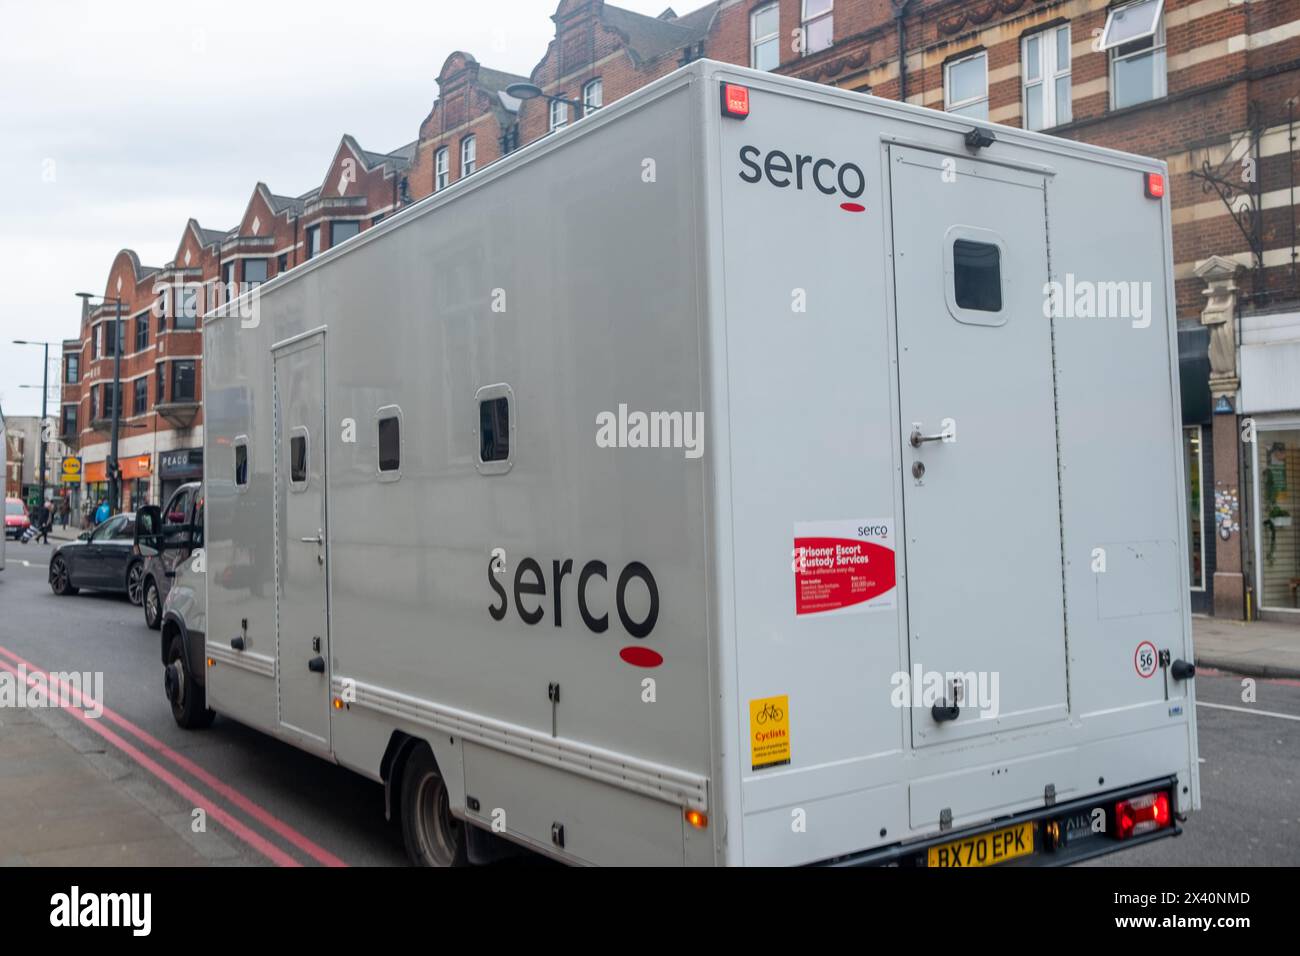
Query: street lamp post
column 531, row 91
column 45, row 394
column 114, row 472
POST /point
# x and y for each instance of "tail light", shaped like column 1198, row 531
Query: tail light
column 1142, row 815
column 1155, row 185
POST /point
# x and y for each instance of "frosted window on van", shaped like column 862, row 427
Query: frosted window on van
column 977, row 276
column 241, row 465
column 298, row 459
column 494, row 430
column 390, row 444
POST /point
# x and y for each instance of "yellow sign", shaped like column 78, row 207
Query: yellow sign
column 769, row 732
column 71, row 471
column 985, row 849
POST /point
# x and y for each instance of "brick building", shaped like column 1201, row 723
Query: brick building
column 1210, row 86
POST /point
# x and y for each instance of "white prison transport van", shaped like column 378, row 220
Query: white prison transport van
column 751, row 473
column 4, row 469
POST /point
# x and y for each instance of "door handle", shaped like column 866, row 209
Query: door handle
column 319, row 539
column 917, row 439
column 316, row 665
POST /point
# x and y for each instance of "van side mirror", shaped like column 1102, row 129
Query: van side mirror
column 148, row 530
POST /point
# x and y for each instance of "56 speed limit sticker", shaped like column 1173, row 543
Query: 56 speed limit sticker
column 1144, row 659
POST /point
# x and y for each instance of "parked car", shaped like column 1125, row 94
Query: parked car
column 104, row 559
column 182, row 533
column 16, row 519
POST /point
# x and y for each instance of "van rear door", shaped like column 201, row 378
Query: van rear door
column 981, row 501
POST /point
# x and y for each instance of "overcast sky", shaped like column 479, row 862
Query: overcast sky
column 120, row 121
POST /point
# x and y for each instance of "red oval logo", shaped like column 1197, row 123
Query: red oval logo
column 853, row 207
column 641, row 656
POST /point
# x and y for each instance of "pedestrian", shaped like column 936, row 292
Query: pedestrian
column 46, row 519
column 64, row 511
column 101, row 513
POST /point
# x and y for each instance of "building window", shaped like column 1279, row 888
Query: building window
column 378, row 218
column 94, row 404
column 71, row 369
column 282, row 263
column 114, row 332
column 765, row 37
column 1192, row 464
column 343, row 231
column 187, row 309
column 966, row 86
column 1134, row 35
column 183, row 384
column 559, row 115
column 313, row 241
column 140, row 397
column 111, row 398
column 818, row 25
column 256, row 271
column 441, row 169
column 69, row 421
column 593, row 96
column 468, row 155
column 160, row 379
column 142, row 332
column 1046, row 60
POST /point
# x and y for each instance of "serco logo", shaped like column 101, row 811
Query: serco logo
column 825, row 175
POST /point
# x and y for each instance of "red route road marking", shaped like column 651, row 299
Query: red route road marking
column 263, row 816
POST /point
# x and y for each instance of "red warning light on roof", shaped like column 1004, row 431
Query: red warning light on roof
column 735, row 100
column 1155, row 186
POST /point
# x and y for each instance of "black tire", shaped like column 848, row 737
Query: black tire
column 433, row 836
column 152, row 602
column 60, row 578
column 185, row 696
column 135, row 583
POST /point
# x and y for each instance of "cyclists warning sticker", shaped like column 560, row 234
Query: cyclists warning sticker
column 845, row 566
column 769, row 732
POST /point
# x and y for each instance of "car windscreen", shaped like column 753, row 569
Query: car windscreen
column 14, row 508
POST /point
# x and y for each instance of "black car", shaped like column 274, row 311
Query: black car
column 103, row 559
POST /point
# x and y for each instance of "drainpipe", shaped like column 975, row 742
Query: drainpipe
column 900, row 12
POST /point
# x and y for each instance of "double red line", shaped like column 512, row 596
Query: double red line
column 77, row 705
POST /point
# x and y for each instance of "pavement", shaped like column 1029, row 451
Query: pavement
column 1254, row 649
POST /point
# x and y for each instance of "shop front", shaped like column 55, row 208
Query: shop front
column 176, row 467
column 1270, row 398
column 137, row 473
column 1198, row 463
column 94, row 489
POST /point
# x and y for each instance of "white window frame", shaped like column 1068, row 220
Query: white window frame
column 1200, row 475
column 756, row 41
column 948, row 104
column 557, row 114
column 1049, row 72
column 804, row 22
column 1107, row 43
column 441, row 168
column 590, row 102
column 468, row 155
column 1157, row 52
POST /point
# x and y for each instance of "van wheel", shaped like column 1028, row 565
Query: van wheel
column 185, row 696
column 433, row 836
column 134, row 582
column 152, row 605
column 60, row 579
